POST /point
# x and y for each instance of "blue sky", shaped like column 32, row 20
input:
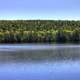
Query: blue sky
column 40, row 9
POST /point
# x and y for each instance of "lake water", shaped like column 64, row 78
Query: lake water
column 39, row 62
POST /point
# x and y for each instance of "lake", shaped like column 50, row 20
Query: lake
column 39, row 62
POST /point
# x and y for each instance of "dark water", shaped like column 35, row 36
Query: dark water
column 39, row 62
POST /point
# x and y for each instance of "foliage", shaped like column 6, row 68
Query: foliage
column 39, row 31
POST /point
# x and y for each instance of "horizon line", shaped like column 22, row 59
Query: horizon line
column 41, row 19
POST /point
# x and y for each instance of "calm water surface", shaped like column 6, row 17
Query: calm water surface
column 39, row 62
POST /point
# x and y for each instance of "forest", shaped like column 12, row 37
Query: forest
column 39, row 31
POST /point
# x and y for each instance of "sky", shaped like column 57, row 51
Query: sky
column 40, row 9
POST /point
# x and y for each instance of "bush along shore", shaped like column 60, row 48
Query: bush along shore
column 39, row 31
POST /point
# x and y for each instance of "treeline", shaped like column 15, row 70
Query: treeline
column 38, row 25
column 39, row 31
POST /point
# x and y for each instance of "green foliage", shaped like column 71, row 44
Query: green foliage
column 39, row 31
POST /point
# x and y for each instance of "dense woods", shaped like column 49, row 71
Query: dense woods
column 39, row 31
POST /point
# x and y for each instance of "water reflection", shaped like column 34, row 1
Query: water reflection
column 39, row 52
column 39, row 62
column 40, row 71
